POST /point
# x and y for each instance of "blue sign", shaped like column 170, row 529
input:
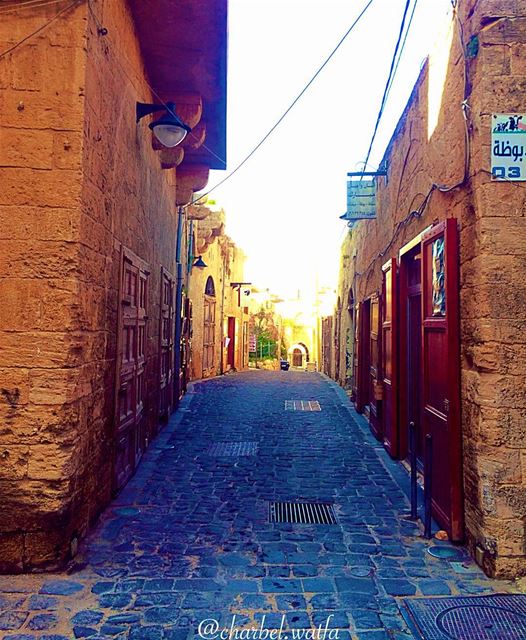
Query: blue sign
column 361, row 200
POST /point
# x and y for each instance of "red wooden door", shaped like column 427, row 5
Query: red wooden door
column 390, row 358
column 166, row 344
column 375, row 402
column 357, row 358
column 231, row 349
column 131, row 360
column 441, row 372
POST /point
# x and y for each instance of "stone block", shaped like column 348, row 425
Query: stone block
column 11, row 552
column 24, row 186
column 30, row 148
column 38, row 223
column 67, row 150
column 38, row 110
column 49, row 462
column 14, row 461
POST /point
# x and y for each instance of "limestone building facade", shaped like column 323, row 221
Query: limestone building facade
column 432, row 291
column 94, row 235
column 220, row 315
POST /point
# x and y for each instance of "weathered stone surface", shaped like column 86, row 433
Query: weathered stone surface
column 428, row 147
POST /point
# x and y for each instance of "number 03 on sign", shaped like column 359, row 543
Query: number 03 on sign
column 508, row 144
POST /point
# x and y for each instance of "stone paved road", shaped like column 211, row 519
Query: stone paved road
column 188, row 539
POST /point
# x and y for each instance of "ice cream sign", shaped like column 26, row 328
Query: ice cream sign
column 508, row 145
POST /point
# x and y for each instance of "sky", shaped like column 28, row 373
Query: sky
column 283, row 206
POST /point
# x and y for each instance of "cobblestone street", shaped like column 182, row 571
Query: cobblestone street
column 189, row 540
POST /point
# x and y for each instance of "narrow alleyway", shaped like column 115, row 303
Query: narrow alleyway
column 188, row 539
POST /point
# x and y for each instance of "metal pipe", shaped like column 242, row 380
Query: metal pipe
column 414, row 494
column 178, row 307
column 428, row 484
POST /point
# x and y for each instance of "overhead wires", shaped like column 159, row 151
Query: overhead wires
column 388, row 83
column 3, row 54
column 290, row 107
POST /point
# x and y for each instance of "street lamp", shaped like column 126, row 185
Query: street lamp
column 169, row 129
column 200, row 263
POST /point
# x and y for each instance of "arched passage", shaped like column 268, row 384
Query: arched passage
column 298, row 355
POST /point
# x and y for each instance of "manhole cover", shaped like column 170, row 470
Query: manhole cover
column 302, row 512
column 445, row 553
column 498, row 617
column 232, row 449
column 302, row 405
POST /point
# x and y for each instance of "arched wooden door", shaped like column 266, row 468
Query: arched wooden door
column 297, row 358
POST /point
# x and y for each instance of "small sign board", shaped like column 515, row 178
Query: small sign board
column 361, row 200
column 508, row 146
column 252, row 343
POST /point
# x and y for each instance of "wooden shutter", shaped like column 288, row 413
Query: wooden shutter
column 130, row 370
column 166, row 344
column 390, row 358
column 375, row 401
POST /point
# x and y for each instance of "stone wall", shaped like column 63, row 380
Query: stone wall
column 42, row 345
column 79, row 179
column 429, row 147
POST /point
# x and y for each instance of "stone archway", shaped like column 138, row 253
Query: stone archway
column 298, row 355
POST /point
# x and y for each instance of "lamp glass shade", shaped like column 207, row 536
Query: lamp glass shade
column 169, row 129
column 200, row 263
column 169, row 135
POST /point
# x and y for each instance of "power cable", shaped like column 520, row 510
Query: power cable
column 107, row 37
column 289, row 108
column 29, row 4
column 389, row 77
column 401, row 49
column 41, row 28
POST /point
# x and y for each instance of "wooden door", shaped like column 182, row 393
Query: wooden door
column 363, row 395
column 186, row 345
column 166, row 344
column 209, row 332
column 441, row 372
column 390, row 358
column 357, row 357
column 375, row 401
column 130, row 419
column 231, row 349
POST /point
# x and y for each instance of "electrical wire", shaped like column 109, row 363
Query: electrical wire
column 401, row 49
column 389, row 77
column 289, row 108
column 107, row 37
column 436, row 186
column 41, row 28
column 29, row 4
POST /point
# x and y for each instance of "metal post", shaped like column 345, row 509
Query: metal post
column 428, row 482
column 178, row 306
column 414, row 495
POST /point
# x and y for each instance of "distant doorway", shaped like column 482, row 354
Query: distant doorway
column 297, row 358
column 231, row 348
column 298, row 355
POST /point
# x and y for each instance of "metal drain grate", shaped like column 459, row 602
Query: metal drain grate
column 496, row 617
column 302, row 512
column 302, row 405
column 233, row 449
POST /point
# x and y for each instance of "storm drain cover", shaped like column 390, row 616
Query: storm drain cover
column 233, row 449
column 445, row 553
column 302, row 512
column 496, row 617
column 302, row 405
